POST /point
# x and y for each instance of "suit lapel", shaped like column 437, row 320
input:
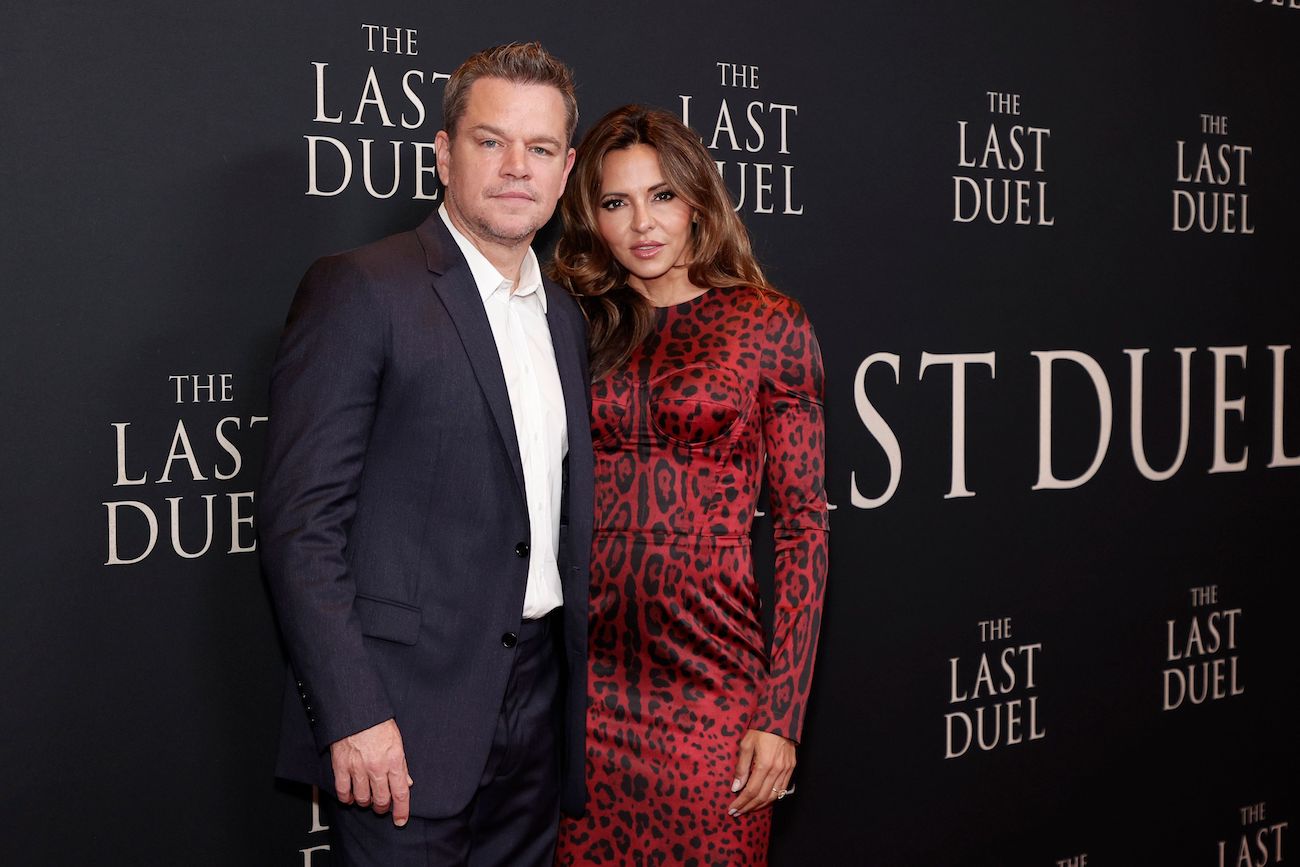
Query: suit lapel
column 565, row 331
column 568, row 364
column 455, row 287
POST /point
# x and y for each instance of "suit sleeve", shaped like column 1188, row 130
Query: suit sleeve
column 790, row 399
column 324, row 392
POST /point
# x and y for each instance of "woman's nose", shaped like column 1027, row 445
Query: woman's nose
column 642, row 221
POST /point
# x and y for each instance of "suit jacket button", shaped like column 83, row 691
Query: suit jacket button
column 521, row 550
column 509, row 639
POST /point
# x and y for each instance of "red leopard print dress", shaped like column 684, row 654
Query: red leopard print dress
column 678, row 666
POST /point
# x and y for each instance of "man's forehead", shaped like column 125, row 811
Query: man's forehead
column 497, row 100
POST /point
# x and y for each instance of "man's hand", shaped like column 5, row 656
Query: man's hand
column 370, row 770
column 763, row 771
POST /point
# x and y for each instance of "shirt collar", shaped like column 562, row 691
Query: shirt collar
column 487, row 278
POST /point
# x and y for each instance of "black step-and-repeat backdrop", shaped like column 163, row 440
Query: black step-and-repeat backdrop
column 1050, row 252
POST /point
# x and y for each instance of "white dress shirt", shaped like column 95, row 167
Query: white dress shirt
column 518, row 320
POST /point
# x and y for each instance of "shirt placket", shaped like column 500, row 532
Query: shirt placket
column 532, row 443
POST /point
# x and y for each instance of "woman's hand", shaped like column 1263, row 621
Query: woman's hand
column 763, row 771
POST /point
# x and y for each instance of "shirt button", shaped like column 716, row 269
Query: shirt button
column 521, row 550
column 509, row 639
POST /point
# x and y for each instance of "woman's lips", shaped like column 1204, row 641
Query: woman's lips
column 646, row 250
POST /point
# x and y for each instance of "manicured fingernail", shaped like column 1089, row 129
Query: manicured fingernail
column 733, row 812
column 735, row 785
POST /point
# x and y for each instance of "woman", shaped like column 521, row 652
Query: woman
column 700, row 370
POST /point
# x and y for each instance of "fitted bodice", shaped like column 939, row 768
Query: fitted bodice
column 686, row 404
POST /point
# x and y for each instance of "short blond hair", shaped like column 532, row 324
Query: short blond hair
column 516, row 62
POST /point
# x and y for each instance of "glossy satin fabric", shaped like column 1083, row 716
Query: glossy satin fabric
column 725, row 392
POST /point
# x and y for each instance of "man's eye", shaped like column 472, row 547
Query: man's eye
column 490, row 143
column 541, row 151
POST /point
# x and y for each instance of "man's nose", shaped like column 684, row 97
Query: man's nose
column 515, row 164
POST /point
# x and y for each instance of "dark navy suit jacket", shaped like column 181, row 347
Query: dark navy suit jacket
column 392, row 518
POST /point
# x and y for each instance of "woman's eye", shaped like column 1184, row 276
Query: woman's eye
column 611, row 204
column 664, row 196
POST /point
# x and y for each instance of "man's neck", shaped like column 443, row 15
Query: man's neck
column 507, row 259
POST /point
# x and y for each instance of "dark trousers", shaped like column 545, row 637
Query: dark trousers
column 513, row 817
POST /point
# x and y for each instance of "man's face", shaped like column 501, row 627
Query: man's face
column 507, row 162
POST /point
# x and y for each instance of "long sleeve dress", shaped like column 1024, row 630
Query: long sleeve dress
column 728, row 386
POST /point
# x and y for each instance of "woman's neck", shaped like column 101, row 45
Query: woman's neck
column 672, row 288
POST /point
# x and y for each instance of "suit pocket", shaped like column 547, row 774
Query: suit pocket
column 391, row 621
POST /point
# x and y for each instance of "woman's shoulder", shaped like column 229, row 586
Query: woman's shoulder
column 767, row 308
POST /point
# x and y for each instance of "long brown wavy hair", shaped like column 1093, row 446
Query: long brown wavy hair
column 618, row 316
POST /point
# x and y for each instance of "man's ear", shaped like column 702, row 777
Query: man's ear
column 568, row 168
column 442, row 155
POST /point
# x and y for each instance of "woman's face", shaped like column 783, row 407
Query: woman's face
column 641, row 219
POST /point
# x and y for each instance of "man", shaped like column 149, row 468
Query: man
column 427, row 503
